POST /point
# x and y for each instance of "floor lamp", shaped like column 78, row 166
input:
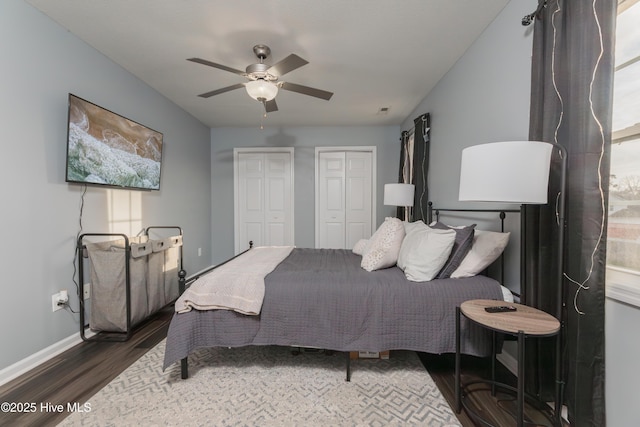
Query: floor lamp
column 400, row 195
column 518, row 172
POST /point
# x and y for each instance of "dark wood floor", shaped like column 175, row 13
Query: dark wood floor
column 498, row 410
column 78, row 373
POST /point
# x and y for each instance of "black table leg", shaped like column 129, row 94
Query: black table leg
column 494, row 346
column 458, row 392
column 520, row 379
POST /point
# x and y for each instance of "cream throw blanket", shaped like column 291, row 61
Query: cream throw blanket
column 237, row 285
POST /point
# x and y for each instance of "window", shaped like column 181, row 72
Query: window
column 623, row 241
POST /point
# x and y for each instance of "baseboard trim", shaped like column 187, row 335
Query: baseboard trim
column 25, row 365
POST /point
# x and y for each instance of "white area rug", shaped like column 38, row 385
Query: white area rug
column 268, row 386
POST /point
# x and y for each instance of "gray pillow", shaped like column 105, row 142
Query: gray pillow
column 461, row 246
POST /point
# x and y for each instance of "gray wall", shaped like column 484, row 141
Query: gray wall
column 622, row 355
column 223, row 140
column 483, row 98
column 42, row 63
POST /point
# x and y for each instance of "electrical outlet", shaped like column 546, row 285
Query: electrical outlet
column 87, row 290
column 199, row 251
column 55, row 298
column 54, row 302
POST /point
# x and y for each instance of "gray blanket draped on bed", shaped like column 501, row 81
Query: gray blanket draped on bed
column 323, row 298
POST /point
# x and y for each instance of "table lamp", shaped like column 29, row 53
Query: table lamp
column 400, row 195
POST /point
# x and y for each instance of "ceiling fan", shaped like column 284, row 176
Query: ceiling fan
column 263, row 81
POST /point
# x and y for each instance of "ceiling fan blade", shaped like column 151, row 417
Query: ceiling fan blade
column 306, row 90
column 288, row 64
column 222, row 90
column 270, row 106
column 214, row 65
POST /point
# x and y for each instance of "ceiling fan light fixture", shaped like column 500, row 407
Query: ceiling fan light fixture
column 261, row 90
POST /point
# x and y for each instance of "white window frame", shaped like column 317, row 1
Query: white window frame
column 623, row 284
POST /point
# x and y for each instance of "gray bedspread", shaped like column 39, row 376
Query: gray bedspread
column 323, row 298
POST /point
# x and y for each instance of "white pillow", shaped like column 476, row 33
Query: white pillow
column 409, row 227
column 360, row 246
column 487, row 247
column 384, row 246
column 424, row 252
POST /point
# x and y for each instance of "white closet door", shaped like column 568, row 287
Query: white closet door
column 264, row 198
column 332, row 200
column 344, row 211
column 278, row 200
column 357, row 197
column 250, row 215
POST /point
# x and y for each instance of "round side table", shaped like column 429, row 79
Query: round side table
column 523, row 322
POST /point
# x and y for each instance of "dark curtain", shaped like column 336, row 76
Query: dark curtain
column 571, row 102
column 414, row 165
column 421, row 139
column 405, row 175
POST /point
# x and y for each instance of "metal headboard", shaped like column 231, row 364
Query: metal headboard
column 432, row 211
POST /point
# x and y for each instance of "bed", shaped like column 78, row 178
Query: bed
column 324, row 298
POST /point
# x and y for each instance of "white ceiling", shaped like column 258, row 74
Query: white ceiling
column 370, row 53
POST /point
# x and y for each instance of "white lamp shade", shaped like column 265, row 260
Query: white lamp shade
column 261, row 90
column 508, row 172
column 399, row 194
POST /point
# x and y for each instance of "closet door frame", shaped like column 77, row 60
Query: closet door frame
column 236, row 194
column 374, row 173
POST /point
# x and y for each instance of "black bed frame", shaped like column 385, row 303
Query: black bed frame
column 431, row 211
column 183, row 282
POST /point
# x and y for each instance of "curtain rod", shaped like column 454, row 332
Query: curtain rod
column 528, row 19
column 412, row 130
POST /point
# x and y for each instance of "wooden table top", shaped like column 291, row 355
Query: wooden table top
column 527, row 319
